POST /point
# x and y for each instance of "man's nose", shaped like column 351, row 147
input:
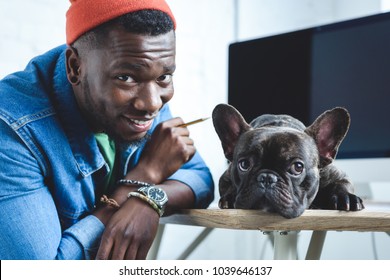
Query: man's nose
column 149, row 98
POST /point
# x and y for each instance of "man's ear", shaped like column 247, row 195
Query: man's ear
column 229, row 125
column 328, row 131
column 72, row 66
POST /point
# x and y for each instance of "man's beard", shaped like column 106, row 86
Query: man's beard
column 95, row 116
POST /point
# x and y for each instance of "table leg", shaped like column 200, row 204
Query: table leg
column 195, row 243
column 153, row 252
column 315, row 246
column 285, row 245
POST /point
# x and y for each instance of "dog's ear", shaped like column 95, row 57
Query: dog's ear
column 229, row 125
column 328, row 131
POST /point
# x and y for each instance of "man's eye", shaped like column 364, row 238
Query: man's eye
column 125, row 78
column 165, row 78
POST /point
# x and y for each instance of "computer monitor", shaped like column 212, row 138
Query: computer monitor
column 306, row 72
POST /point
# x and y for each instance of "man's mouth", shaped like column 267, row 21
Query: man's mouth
column 139, row 125
column 140, row 122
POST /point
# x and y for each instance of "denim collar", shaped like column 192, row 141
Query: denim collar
column 83, row 144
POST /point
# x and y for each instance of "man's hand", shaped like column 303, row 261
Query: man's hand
column 130, row 232
column 167, row 150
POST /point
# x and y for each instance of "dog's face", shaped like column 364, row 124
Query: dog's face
column 275, row 169
column 275, row 161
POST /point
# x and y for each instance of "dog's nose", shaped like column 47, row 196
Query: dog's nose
column 267, row 180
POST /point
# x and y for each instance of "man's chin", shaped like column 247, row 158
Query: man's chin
column 137, row 139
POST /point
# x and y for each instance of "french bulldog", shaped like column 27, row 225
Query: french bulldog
column 279, row 165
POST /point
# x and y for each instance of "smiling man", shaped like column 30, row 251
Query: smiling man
column 90, row 154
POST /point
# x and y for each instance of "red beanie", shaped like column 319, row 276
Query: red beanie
column 84, row 15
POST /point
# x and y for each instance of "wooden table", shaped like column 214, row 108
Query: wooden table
column 375, row 218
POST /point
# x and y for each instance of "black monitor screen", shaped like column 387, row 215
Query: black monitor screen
column 306, row 72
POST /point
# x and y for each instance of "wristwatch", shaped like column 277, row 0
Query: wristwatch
column 157, row 195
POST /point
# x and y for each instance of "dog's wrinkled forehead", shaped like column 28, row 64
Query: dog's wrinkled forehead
column 284, row 142
column 286, row 121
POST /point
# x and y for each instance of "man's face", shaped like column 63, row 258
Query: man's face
column 124, row 84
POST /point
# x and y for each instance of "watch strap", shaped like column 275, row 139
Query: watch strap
column 146, row 199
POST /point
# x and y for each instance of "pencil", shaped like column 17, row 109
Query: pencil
column 193, row 122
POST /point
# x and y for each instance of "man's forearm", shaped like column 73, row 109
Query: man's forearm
column 180, row 196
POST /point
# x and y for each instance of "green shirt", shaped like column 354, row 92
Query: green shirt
column 107, row 148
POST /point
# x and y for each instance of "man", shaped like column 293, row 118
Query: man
column 89, row 151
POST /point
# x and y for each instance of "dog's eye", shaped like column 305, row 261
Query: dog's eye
column 296, row 168
column 244, row 165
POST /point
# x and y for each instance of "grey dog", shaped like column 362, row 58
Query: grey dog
column 279, row 165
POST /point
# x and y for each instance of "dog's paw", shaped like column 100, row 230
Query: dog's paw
column 346, row 201
column 225, row 203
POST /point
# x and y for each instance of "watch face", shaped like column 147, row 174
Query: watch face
column 157, row 194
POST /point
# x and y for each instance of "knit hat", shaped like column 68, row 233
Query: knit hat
column 84, row 15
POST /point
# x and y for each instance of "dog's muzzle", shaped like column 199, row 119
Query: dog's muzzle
column 267, row 180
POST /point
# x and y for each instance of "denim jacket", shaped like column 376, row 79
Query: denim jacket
column 51, row 164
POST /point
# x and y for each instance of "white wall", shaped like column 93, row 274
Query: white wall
column 29, row 28
column 267, row 17
column 205, row 29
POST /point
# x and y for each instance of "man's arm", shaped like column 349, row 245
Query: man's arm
column 131, row 229
column 29, row 222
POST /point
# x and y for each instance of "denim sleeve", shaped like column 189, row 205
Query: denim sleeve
column 197, row 176
column 29, row 223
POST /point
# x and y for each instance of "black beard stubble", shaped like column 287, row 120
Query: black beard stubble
column 95, row 115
